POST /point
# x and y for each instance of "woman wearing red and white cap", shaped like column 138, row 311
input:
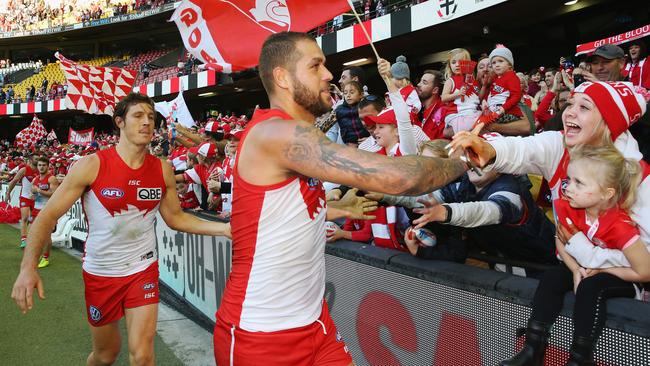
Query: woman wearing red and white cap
column 598, row 114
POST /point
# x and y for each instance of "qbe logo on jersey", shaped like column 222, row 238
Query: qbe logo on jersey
column 149, row 194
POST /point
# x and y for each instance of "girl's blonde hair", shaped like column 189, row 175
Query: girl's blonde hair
column 465, row 56
column 436, row 146
column 614, row 171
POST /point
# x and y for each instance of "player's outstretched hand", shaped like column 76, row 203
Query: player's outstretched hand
column 23, row 290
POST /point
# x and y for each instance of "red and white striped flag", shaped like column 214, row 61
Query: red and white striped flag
column 230, row 33
column 95, row 89
column 52, row 137
column 31, row 134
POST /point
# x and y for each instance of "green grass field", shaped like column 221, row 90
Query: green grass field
column 55, row 332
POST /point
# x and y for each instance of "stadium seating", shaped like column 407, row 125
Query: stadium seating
column 19, row 72
column 53, row 73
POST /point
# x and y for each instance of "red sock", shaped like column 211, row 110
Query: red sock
column 46, row 255
column 23, row 237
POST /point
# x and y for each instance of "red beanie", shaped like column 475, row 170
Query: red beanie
column 618, row 103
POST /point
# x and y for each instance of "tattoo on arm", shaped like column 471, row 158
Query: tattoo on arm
column 324, row 154
column 409, row 175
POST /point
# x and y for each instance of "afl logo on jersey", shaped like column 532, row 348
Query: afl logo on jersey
column 313, row 183
column 112, row 193
column 149, row 286
column 95, row 314
column 149, row 194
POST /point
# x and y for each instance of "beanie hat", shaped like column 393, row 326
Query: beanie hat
column 618, row 103
column 504, row 52
column 207, row 150
column 400, row 70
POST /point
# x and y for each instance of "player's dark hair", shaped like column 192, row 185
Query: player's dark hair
column 279, row 50
column 42, row 159
column 122, row 107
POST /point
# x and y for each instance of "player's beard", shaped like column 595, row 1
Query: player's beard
column 309, row 100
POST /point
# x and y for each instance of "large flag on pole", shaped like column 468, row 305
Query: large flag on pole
column 230, row 33
column 95, row 89
column 31, row 134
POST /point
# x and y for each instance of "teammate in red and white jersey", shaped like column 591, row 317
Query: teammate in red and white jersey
column 272, row 311
column 25, row 176
column 43, row 186
column 121, row 189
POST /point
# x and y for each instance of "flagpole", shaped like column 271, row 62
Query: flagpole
column 354, row 11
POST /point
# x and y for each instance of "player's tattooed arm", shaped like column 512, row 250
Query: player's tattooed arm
column 308, row 151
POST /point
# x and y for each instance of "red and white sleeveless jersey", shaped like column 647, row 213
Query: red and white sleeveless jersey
column 277, row 280
column 120, row 207
column 44, row 184
column 26, row 182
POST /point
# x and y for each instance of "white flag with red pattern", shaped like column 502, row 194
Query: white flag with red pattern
column 95, row 89
column 31, row 134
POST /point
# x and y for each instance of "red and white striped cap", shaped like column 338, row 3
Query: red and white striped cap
column 618, row 103
column 236, row 133
column 207, row 150
column 211, row 127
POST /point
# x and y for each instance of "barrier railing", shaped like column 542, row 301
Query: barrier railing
column 394, row 309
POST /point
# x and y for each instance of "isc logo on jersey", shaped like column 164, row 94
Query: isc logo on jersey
column 149, row 194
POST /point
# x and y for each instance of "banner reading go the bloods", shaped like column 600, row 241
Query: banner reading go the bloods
column 83, row 137
column 230, row 33
column 617, row 39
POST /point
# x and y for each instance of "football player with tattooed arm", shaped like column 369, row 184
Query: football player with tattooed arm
column 273, row 311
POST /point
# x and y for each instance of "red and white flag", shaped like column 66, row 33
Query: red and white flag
column 230, row 33
column 83, row 137
column 51, row 136
column 95, row 89
column 31, row 134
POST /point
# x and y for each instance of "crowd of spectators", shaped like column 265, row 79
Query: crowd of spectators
column 60, row 156
column 445, row 103
column 43, row 93
column 26, row 15
column 367, row 9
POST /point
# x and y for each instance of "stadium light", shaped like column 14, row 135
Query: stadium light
column 355, row 62
column 208, row 94
column 572, row 2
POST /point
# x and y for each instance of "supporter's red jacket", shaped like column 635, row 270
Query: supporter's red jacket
column 639, row 73
column 543, row 112
column 360, row 230
column 506, row 90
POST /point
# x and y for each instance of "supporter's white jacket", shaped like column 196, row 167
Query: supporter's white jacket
column 541, row 154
